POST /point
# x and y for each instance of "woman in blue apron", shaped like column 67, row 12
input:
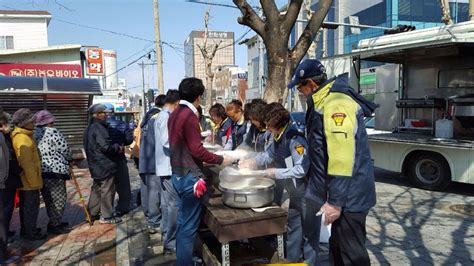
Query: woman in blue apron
column 223, row 130
column 289, row 157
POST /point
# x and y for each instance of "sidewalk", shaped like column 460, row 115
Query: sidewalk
column 407, row 226
column 128, row 243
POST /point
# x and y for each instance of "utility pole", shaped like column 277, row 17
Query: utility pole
column 471, row 9
column 142, row 64
column 159, row 61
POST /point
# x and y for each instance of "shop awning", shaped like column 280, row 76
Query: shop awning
column 45, row 85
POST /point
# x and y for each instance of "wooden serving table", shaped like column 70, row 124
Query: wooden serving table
column 230, row 224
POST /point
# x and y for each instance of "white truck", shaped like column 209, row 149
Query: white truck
column 425, row 89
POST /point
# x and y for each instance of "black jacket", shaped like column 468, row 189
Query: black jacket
column 120, row 133
column 13, row 181
column 100, row 150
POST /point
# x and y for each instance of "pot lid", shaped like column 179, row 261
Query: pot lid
column 246, row 183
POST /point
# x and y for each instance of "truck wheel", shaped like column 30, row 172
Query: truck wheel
column 429, row 170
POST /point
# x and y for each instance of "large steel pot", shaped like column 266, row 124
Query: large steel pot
column 247, row 192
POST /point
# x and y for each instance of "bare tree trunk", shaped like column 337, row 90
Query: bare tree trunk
column 208, row 53
column 208, row 93
column 275, row 31
column 471, row 9
column 446, row 18
column 274, row 80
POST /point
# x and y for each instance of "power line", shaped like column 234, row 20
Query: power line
column 183, row 51
column 208, row 3
column 104, row 30
column 146, row 47
column 175, row 50
column 131, row 63
column 63, row 6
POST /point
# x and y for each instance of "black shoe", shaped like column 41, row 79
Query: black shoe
column 10, row 260
column 38, row 231
column 169, row 251
column 11, row 233
column 34, row 237
column 121, row 213
column 58, row 230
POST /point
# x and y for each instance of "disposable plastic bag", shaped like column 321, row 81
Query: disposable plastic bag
column 325, row 231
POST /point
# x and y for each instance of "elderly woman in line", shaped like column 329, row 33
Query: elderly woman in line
column 55, row 157
column 28, row 158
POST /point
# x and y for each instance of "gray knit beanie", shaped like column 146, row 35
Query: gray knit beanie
column 22, row 117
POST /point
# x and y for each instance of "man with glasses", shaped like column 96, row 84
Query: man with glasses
column 341, row 176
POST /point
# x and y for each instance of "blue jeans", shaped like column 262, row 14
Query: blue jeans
column 153, row 185
column 189, row 217
column 169, row 211
column 144, row 195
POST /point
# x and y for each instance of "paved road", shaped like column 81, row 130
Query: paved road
column 414, row 226
column 408, row 226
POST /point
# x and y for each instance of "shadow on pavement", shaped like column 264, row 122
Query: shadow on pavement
column 415, row 226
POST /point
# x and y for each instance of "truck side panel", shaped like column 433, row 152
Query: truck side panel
column 391, row 156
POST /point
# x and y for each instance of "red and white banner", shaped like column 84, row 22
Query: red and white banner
column 95, row 62
column 41, row 70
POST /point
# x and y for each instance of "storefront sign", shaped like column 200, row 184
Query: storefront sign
column 41, row 70
column 95, row 62
column 215, row 35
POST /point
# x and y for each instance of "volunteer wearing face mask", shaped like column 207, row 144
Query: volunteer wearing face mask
column 288, row 154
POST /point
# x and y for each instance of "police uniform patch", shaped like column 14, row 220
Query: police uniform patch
column 299, row 149
column 338, row 118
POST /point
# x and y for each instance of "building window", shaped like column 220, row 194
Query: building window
column 6, row 42
column 419, row 10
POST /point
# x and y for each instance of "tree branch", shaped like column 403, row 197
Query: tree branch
column 215, row 48
column 249, row 17
column 292, row 14
column 270, row 10
column 301, row 47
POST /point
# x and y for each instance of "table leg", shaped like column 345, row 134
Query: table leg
column 225, row 249
column 281, row 247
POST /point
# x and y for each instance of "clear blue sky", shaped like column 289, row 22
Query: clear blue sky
column 135, row 17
